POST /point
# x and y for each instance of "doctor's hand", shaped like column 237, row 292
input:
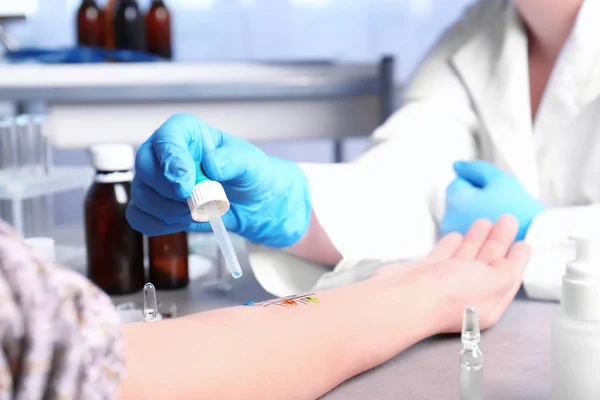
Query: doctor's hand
column 270, row 202
column 482, row 190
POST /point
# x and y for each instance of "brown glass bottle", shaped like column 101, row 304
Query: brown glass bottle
column 158, row 28
column 115, row 251
column 110, row 10
column 90, row 24
column 169, row 261
column 130, row 32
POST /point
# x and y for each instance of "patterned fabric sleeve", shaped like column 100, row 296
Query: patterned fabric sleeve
column 60, row 335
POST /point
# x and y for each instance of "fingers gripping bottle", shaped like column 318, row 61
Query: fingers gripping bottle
column 575, row 355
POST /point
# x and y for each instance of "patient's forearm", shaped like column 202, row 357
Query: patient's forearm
column 276, row 352
column 315, row 245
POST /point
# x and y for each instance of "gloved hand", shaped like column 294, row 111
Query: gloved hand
column 482, row 190
column 270, row 200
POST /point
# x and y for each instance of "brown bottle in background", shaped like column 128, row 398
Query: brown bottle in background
column 115, row 251
column 169, row 261
column 130, row 32
column 109, row 23
column 90, row 24
column 158, row 28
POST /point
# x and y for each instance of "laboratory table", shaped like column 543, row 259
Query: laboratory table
column 516, row 351
column 516, row 354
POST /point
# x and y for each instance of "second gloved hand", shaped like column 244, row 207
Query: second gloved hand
column 481, row 190
column 270, row 201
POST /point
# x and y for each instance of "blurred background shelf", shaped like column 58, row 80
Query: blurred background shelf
column 160, row 81
column 100, row 103
column 26, row 183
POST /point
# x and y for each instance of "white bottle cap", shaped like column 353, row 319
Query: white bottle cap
column 581, row 282
column 43, row 245
column 207, row 192
column 112, row 157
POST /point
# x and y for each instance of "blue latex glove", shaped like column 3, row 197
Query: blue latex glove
column 270, row 200
column 482, row 190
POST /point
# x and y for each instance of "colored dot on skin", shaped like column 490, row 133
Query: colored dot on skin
column 312, row 299
column 249, row 303
column 290, row 302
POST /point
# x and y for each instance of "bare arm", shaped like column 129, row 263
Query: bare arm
column 315, row 245
column 271, row 352
column 304, row 350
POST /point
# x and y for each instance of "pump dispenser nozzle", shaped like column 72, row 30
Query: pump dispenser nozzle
column 581, row 281
column 587, row 250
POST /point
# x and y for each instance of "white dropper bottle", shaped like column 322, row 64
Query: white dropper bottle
column 575, row 355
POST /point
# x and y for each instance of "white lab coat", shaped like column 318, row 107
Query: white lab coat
column 469, row 99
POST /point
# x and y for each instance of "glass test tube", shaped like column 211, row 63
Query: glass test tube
column 5, row 163
column 33, row 210
column 44, row 147
column 36, row 208
column 21, row 135
column 12, row 168
column 42, row 159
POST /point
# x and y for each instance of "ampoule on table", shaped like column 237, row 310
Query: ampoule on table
column 150, row 307
column 471, row 358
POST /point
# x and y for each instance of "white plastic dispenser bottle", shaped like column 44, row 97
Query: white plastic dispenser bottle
column 575, row 354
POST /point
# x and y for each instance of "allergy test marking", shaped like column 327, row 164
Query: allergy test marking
column 286, row 301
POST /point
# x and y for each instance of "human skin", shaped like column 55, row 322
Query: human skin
column 304, row 351
column 549, row 24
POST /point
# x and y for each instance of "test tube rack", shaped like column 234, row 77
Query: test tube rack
column 28, row 179
column 17, row 187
